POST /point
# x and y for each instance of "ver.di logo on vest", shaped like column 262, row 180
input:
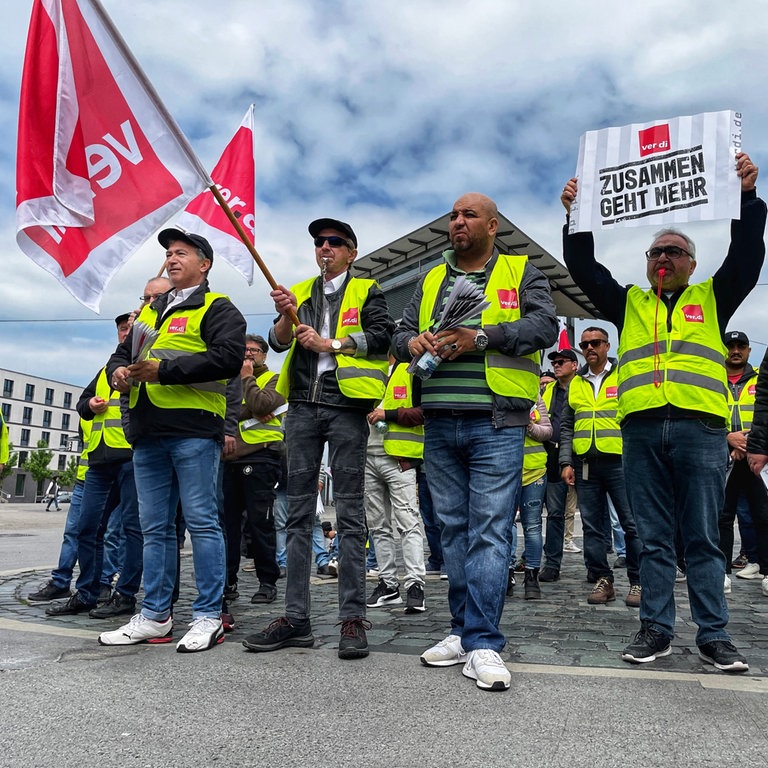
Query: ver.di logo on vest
column 400, row 393
column 693, row 313
column 350, row 317
column 178, row 325
column 507, row 298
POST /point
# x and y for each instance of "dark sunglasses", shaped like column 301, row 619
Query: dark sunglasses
column 333, row 240
column 673, row 251
column 561, row 361
column 594, row 343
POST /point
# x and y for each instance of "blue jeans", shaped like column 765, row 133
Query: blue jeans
column 531, row 502
column 474, row 472
column 307, row 429
column 431, row 524
column 61, row 576
column 557, row 494
column 614, row 531
column 675, row 479
column 114, row 547
column 605, row 477
column 167, row 469
column 108, row 486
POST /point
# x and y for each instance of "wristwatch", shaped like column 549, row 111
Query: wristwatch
column 481, row 340
column 336, row 345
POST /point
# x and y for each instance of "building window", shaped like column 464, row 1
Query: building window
column 62, row 462
column 25, row 437
column 23, row 456
column 48, row 396
column 65, row 421
column 8, row 388
column 46, row 437
column 47, row 415
column 20, row 481
column 67, row 399
column 29, row 392
column 63, row 441
column 7, row 412
column 26, row 417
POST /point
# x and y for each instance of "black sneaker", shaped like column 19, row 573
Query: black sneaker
column 324, row 572
column 118, row 605
column 384, row 595
column 49, row 591
column 648, row 645
column 722, row 654
column 353, row 643
column 105, row 594
column 282, row 633
column 266, row 593
column 549, row 574
column 73, row 606
column 414, row 599
column 230, row 592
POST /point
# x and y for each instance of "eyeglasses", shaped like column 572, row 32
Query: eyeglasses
column 561, row 361
column 333, row 240
column 594, row 343
column 149, row 297
column 254, row 350
column 673, row 251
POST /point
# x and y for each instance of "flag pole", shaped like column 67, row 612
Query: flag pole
column 249, row 245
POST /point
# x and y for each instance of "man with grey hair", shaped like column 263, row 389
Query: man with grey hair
column 673, row 412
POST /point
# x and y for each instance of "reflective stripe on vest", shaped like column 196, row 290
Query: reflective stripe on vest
column 595, row 417
column 358, row 377
column 107, row 426
column 745, row 405
column 505, row 375
column 691, row 355
column 179, row 336
column 253, row 431
column 407, row 442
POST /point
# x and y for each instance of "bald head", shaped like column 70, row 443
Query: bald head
column 472, row 229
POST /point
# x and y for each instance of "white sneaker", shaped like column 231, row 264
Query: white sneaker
column 727, row 585
column 203, row 634
column 749, row 571
column 333, row 567
column 445, row 654
column 139, row 629
column 486, row 668
column 764, row 586
column 571, row 547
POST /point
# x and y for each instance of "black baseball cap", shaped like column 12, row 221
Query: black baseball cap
column 168, row 236
column 320, row 224
column 738, row 336
column 568, row 354
column 122, row 318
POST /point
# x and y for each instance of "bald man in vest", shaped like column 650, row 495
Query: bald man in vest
column 335, row 373
column 477, row 406
column 673, row 412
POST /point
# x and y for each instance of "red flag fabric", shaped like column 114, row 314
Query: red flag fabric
column 235, row 176
column 563, row 341
column 100, row 162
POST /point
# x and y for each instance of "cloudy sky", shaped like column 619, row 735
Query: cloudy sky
column 382, row 114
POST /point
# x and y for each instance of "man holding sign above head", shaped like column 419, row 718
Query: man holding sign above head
column 673, row 412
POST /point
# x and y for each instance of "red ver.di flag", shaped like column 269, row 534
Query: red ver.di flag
column 660, row 173
column 100, row 162
column 235, row 176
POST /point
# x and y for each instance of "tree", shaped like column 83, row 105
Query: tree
column 38, row 461
column 68, row 476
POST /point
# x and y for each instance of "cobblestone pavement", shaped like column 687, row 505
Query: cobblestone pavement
column 560, row 629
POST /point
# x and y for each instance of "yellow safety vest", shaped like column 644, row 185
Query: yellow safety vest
column 4, row 447
column 179, row 335
column 407, row 442
column 82, row 462
column 745, row 405
column 255, row 432
column 360, row 378
column 505, row 375
column 534, row 454
column 107, row 426
column 691, row 356
column 595, row 417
